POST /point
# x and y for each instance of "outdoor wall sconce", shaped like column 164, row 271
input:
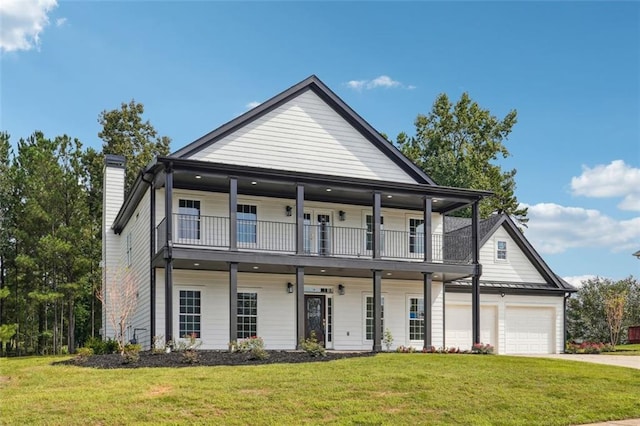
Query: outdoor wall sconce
column 288, row 210
column 289, row 288
column 502, row 294
column 342, row 215
column 341, row 289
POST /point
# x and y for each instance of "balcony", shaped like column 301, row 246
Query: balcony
column 318, row 240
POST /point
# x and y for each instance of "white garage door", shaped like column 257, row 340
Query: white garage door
column 458, row 326
column 529, row 330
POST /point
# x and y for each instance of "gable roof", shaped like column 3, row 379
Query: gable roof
column 486, row 228
column 314, row 84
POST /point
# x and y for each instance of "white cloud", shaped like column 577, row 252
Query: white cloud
column 553, row 228
column 252, row 104
column 60, row 22
column 382, row 81
column 616, row 179
column 22, row 23
column 577, row 280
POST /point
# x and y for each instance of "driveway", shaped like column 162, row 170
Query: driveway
column 629, row 361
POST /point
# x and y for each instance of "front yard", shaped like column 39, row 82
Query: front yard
column 384, row 389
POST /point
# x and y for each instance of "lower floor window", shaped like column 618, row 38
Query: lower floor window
column 416, row 318
column 190, row 313
column 369, row 317
column 247, row 315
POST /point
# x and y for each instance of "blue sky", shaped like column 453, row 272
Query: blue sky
column 570, row 69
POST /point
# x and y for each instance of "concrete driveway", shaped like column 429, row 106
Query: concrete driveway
column 630, row 361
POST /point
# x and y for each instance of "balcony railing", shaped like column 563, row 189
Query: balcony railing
column 319, row 240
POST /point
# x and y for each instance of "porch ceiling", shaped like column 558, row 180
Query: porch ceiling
column 330, row 192
column 266, row 268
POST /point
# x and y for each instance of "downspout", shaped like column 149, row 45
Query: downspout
column 567, row 295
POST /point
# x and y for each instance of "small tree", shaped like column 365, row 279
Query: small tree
column 119, row 301
column 614, row 311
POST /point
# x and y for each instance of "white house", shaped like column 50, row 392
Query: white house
column 298, row 216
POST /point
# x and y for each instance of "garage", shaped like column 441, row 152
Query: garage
column 458, row 326
column 529, row 330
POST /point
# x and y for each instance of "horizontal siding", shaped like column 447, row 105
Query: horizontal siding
column 517, row 268
column 138, row 271
column 307, row 129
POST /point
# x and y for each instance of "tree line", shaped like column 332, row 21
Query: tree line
column 51, row 229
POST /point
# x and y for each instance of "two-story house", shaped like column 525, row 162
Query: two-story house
column 299, row 217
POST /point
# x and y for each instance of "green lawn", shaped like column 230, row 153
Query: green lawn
column 385, row 389
column 627, row 350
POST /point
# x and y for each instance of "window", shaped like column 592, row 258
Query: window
column 247, row 223
column 501, row 250
column 190, row 313
column 416, row 318
column 129, row 246
column 369, row 317
column 247, row 315
column 329, row 319
column 416, row 235
column 369, row 221
column 189, row 219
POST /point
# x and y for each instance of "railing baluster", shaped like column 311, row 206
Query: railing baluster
column 321, row 240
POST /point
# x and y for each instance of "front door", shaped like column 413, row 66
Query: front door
column 324, row 234
column 314, row 316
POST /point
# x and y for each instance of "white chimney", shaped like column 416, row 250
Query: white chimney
column 112, row 200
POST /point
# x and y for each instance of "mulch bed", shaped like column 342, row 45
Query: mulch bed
column 207, row 358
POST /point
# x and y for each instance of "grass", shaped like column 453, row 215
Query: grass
column 385, row 389
column 627, row 350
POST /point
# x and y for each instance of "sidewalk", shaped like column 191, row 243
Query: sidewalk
column 630, row 422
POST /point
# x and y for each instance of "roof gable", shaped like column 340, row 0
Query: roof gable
column 487, row 228
column 311, row 125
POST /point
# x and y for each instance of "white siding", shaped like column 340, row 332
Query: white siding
column 138, row 270
column 311, row 132
column 276, row 307
column 113, row 197
column 517, row 267
column 532, row 305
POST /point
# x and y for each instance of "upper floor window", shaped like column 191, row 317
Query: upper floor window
column 501, row 250
column 369, row 220
column 416, row 235
column 189, row 219
column 247, row 223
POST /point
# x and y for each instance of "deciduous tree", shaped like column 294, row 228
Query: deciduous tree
column 458, row 145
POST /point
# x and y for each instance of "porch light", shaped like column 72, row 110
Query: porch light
column 288, row 210
column 289, row 288
column 342, row 215
column 328, row 189
column 253, row 182
column 198, row 177
column 341, row 289
column 502, row 294
column 389, row 196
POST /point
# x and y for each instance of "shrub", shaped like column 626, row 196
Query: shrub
column 405, row 349
column 481, row 348
column 82, row 355
column 387, row 339
column 131, row 353
column 254, row 346
column 312, row 346
column 588, row 348
column 101, row 347
column 158, row 346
